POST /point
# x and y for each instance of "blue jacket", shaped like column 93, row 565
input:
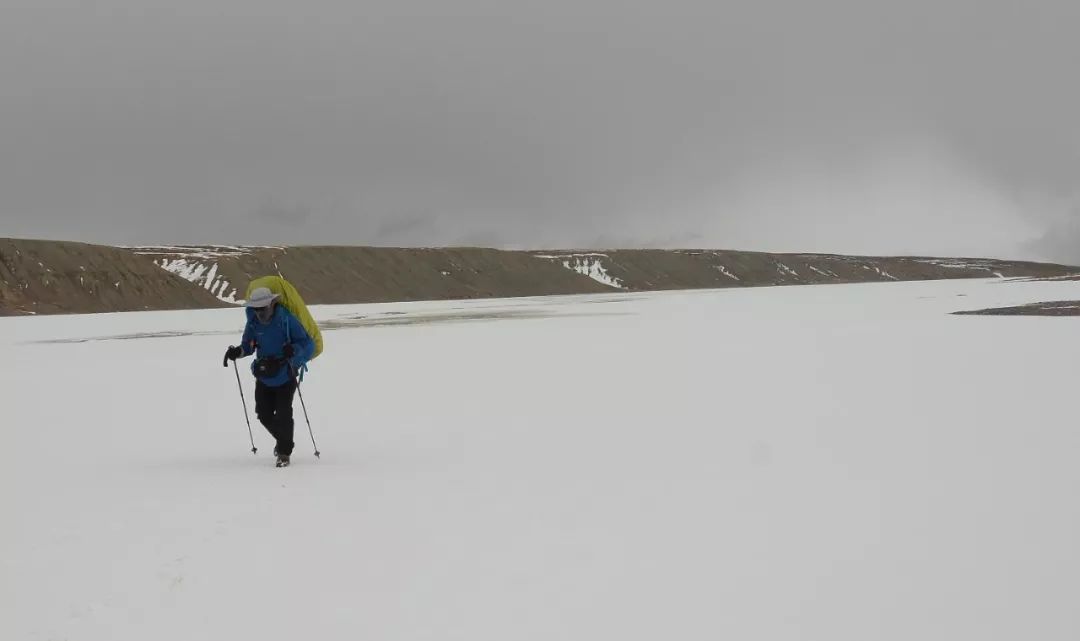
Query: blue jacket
column 268, row 341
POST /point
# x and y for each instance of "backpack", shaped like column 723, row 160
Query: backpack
column 289, row 298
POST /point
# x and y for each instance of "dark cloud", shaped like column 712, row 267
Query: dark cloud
column 876, row 127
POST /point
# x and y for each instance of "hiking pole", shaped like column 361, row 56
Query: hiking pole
column 306, row 419
column 242, row 400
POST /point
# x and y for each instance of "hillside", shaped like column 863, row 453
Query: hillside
column 46, row 277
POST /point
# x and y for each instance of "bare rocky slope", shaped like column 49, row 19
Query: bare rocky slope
column 60, row 277
column 49, row 277
column 1050, row 308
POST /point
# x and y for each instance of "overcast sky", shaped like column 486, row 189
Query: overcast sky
column 908, row 126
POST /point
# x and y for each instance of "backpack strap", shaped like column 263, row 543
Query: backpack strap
column 285, row 321
column 288, row 337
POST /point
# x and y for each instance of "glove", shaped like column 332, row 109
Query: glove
column 232, row 354
column 288, row 351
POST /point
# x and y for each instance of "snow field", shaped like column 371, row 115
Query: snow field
column 827, row 462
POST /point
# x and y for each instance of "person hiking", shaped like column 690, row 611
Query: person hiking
column 281, row 347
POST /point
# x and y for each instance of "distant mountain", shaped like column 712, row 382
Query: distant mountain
column 46, row 277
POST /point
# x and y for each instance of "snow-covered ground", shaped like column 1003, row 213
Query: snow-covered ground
column 841, row 462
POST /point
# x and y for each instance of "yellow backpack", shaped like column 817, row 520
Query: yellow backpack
column 290, row 299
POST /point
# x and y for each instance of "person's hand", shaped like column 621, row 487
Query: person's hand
column 232, row 354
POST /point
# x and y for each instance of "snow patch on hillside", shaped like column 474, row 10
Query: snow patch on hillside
column 590, row 265
column 201, row 251
column 880, row 272
column 575, row 255
column 199, row 265
column 955, row 263
column 586, row 264
column 783, row 269
column 724, row 270
column 959, row 263
column 201, row 274
column 823, row 272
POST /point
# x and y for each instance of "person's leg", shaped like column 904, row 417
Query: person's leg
column 265, row 406
column 283, row 418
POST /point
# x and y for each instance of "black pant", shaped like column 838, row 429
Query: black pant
column 273, row 406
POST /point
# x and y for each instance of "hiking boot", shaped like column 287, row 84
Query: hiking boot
column 282, row 460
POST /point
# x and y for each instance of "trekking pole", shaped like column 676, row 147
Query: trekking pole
column 306, row 419
column 244, row 401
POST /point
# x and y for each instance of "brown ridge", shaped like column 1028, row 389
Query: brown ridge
column 47, row 277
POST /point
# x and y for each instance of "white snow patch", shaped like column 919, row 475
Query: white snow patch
column 204, row 252
column 884, row 273
column 823, row 272
column 724, row 270
column 589, row 265
column 182, row 267
column 953, row 263
column 574, row 255
column 211, row 276
column 231, row 296
column 784, row 269
column 199, row 273
column 879, row 271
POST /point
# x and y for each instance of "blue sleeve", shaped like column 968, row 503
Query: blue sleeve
column 302, row 342
column 247, row 343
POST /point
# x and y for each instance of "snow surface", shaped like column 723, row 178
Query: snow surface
column 837, row 462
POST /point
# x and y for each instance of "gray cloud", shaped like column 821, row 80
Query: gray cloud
column 875, row 127
column 278, row 213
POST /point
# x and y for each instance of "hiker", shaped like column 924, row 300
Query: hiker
column 281, row 346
